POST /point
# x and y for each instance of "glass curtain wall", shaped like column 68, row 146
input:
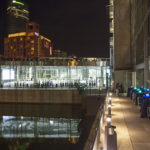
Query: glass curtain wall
column 55, row 76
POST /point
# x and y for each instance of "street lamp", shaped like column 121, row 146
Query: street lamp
column 108, row 120
column 110, row 94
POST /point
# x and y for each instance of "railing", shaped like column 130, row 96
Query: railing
column 94, row 136
column 110, row 136
column 110, row 142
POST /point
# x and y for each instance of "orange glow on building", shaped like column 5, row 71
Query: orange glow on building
column 27, row 44
column 17, row 34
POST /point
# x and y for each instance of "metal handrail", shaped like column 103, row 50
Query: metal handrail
column 95, row 127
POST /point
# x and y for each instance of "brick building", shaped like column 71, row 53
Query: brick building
column 29, row 44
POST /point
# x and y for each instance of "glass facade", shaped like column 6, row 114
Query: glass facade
column 55, row 76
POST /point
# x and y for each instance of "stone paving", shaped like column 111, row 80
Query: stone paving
column 133, row 132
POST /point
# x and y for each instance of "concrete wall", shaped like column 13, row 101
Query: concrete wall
column 122, row 57
column 40, row 96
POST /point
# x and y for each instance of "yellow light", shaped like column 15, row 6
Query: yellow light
column 111, row 30
column 50, row 50
column 14, row 40
column 111, row 2
column 42, row 37
column 30, row 34
column 17, row 34
column 32, row 52
column 111, row 15
column 28, row 38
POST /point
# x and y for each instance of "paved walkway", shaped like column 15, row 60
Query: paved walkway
column 133, row 132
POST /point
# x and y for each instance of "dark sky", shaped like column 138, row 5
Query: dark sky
column 79, row 27
column 75, row 26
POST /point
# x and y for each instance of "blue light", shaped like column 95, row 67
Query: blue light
column 137, row 90
column 142, row 87
column 148, row 90
column 131, row 86
column 147, row 95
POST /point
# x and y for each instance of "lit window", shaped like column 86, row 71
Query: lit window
column 14, row 39
column 28, row 38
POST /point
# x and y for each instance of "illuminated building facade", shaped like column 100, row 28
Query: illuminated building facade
column 55, row 72
column 17, row 16
column 27, row 44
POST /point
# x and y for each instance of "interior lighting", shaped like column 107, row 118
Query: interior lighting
column 142, row 87
column 51, row 122
column 135, row 88
column 110, row 94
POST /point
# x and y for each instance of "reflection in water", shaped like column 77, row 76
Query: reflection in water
column 38, row 127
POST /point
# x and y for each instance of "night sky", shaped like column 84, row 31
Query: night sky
column 79, row 27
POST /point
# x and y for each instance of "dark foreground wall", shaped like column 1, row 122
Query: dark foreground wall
column 40, row 96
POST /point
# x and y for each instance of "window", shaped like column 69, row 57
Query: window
column 30, row 27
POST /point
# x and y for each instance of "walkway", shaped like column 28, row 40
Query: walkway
column 133, row 132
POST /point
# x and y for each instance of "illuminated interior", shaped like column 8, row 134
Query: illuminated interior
column 55, row 76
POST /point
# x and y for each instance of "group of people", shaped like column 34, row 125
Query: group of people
column 119, row 88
